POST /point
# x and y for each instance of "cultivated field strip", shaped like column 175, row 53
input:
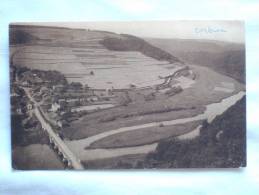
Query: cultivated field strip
column 131, row 67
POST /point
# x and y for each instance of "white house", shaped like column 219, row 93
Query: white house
column 29, row 106
column 19, row 111
column 55, row 107
column 59, row 123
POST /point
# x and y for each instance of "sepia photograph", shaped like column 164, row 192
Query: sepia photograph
column 127, row 95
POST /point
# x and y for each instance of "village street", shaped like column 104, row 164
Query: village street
column 62, row 147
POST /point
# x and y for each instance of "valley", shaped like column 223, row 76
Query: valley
column 118, row 95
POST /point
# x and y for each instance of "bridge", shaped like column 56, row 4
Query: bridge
column 68, row 158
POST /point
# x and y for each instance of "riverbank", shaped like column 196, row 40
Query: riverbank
column 221, row 144
column 78, row 146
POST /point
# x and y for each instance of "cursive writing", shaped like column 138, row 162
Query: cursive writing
column 209, row 30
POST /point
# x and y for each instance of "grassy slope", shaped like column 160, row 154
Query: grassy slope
column 208, row 150
column 67, row 37
column 223, row 57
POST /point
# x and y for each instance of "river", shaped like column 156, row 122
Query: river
column 78, row 146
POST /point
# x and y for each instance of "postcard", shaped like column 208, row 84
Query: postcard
column 128, row 95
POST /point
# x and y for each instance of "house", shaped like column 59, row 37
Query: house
column 19, row 111
column 83, row 101
column 25, row 84
column 73, row 102
column 55, row 107
column 59, row 123
column 44, row 89
column 58, row 88
column 29, row 106
column 14, row 94
column 16, row 105
column 62, row 101
column 92, row 99
column 99, row 92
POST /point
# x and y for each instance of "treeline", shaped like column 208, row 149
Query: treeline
column 51, row 76
column 20, row 36
column 22, row 137
column 221, row 144
column 132, row 43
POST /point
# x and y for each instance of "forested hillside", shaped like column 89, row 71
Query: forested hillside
column 221, row 143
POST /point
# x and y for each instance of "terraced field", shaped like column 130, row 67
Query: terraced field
column 78, row 54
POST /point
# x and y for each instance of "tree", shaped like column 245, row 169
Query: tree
column 125, row 99
column 76, row 85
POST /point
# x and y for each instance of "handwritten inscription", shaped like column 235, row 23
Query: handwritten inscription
column 209, row 30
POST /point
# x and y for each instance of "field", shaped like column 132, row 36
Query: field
column 77, row 58
column 144, row 136
column 76, row 65
column 188, row 103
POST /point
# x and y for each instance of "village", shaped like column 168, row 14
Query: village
column 62, row 102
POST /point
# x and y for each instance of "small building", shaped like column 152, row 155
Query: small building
column 25, row 84
column 55, row 107
column 62, row 101
column 44, row 89
column 92, row 99
column 29, row 106
column 19, row 111
column 14, row 94
column 59, row 123
column 73, row 102
column 83, row 101
column 58, row 88
column 99, row 92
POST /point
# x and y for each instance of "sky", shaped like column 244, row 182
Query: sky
column 187, row 182
column 231, row 31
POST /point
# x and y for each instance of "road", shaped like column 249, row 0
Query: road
column 62, row 146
